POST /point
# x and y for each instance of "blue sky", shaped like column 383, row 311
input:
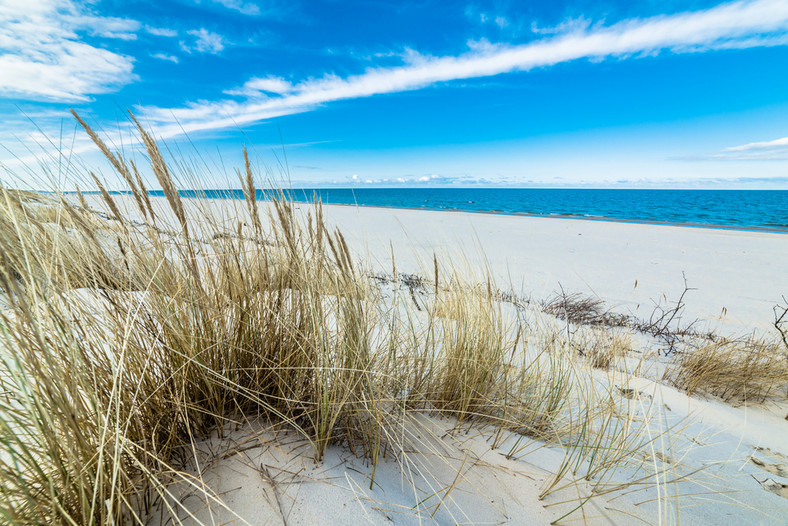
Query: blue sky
column 522, row 93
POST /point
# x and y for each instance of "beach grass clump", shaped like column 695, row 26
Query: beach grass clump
column 604, row 347
column 66, row 412
column 742, row 370
column 132, row 328
column 63, row 244
column 540, row 384
column 474, row 352
column 163, row 337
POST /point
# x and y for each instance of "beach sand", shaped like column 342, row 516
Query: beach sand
column 715, row 463
column 737, row 276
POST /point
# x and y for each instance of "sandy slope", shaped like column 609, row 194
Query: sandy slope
column 706, row 470
column 704, row 450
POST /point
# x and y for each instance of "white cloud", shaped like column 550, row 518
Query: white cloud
column 724, row 25
column 105, row 26
column 569, row 25
column 776, row 149
column 434, row 178
column 161, row 31
column 776, row 143
column 477, row 15
column 42, row 56
column 165, row 56
column 246, row 8
column 205, row 42
column 257, row 87
column 424, row 180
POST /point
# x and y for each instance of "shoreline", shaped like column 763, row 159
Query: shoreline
column 713, row 226
column 628, row 264
column 189, row 194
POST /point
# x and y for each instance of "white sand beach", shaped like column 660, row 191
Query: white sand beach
column 628, row 265
column 736, row 277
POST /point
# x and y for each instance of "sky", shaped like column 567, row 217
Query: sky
column 577, row 93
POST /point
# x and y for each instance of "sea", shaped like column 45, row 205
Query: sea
column 749, row 209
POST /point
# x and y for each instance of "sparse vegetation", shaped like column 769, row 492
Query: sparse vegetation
column 576, row 308
column 748, row 370
column 602, row 347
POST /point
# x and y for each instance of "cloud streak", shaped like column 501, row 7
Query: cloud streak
column 732, row 25
column 246, row 8
column 766, row 145
column 165, row 56
column 161, row 31
column 774, row 150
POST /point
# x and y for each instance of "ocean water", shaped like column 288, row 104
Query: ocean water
column 731, row 208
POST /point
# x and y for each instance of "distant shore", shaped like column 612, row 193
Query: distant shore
column 730, row 209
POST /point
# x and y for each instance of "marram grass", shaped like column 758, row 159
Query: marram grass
column 130, row 331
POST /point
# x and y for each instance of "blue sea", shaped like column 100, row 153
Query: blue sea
column 729, row 208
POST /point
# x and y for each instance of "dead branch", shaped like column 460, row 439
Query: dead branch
column 781, row 321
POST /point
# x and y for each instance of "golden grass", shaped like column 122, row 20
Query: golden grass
column 187, row 321
column 604, row 347
column 735, row 370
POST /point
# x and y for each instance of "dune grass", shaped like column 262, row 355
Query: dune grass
column 740, row 370
column 131, row 331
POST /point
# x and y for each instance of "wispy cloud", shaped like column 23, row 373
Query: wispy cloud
column 270, row 9
column 247, row 8
column 765, row 145
column 742, row 24
column 161, row 31
column 415, row 180
column 776, row 149
column 567, row 26
column 42, row 55
column 104, row 26
column 754, row 183
column 262, row 87
column 481, row 16
column 204, row 42
column 165, row 56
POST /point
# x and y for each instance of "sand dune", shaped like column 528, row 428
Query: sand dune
column 711, row 463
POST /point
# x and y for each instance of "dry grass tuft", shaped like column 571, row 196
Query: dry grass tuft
column 735, row 370
column 575, row 308
column 580, row 309
column 26, row 196
column 603, row 347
